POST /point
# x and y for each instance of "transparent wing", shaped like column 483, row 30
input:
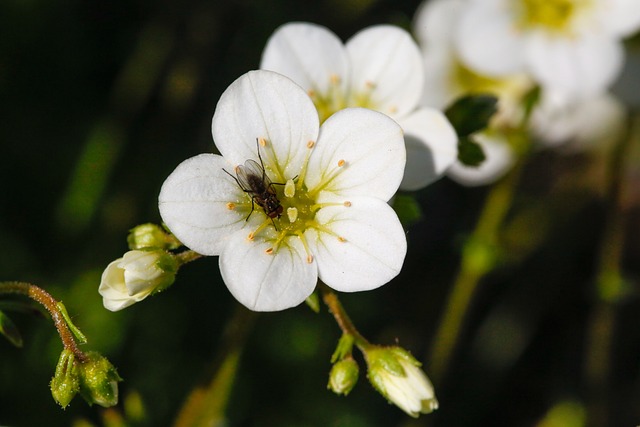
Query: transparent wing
column 251, row 177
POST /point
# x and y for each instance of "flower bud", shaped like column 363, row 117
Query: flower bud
column 398, row 377
column 98, row 380
column 343, row 376
column 151, row 236
column 135, row 276
column 65, row 383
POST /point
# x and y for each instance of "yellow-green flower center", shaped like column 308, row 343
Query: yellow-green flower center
column 474, row 83
column 335, row 98
column 553, row 15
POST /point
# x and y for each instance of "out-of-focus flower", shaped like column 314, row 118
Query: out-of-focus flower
column 398, row 377
column 379, row 68
column 135, row 276
column 568, row 46
column 447, row 78
column 314, row 203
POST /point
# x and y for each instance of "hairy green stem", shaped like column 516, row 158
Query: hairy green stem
column 330, row 298
column 51, row 305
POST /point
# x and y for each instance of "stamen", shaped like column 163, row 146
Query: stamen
column 231, row 206
column 341, row 163
column 335, row 79
column 251, row 236
column 292, row 214
column 311, row 93
column 393, row 109
column 262, row 142
column 264, row 224
column 310, row 144
column 341, row 239
column 370, row 84
column 306, row 247
column 268, row 251
column 236, row 169
column 290, row 188
column 309, row 259
column 347, row 204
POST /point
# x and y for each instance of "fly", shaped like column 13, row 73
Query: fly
column 253, row 180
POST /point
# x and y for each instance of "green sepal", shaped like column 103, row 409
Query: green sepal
column 407, row 208
column 82, row 339
column 471, row 113
column 65, row 384
column 10, row 331
column 313, row 301
column 344, row 348
column 470, row 153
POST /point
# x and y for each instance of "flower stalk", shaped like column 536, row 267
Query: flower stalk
column 53, row 307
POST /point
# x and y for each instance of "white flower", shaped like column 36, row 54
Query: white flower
column 499, row 159
column 594, row 122
column 572, row 46
column 398, row 377
column 135, row 276
column 330, row 184
column 446, row 76
column 379, row 68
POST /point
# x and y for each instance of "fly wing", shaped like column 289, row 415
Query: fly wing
column 251, row 177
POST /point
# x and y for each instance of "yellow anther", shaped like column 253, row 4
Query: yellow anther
column 268, row 251
column 231, row 206
column 262, row 142
column 335, row 79
column 292, row 214
column 393, row 109
column 341, row 163
column 236, row 169
column 310, row 144
column 311, row 93
column 341, row 239
column 290, row 188
column 309, row 259
column 347, row 204
column 370, row 84
column 251, row 236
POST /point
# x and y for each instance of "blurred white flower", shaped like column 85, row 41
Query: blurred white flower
column 335, row 223
column 398, row 377
column 446, row 76
column 570, row 46
column 135, row 276
column 379, row 68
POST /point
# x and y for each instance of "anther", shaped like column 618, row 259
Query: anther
column 393, row 109
column 311, row 93
column 335, row 79
column 231, row 206
column 341, row 163
column 237, row 169
column 262, row 142
column 370, row 84
column 251, row 236
column 310, row 144
column 341, row 239
column 347, row 204
column 309, row 259
column 268, row 251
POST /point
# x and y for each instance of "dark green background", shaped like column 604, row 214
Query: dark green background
column 100, row 100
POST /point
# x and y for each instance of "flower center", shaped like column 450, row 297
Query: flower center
column 474, row 83
column 299, row 205
column 553, row 15
column 335, row 98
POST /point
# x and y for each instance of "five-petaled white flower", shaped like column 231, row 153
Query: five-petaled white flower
column 571, row 46
column 325, row 191
column 379, row 68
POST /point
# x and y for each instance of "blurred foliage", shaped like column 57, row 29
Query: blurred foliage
column 102, row 99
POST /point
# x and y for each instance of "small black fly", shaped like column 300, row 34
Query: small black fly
column 253, row 180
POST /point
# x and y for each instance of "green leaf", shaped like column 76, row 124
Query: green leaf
column 470, row 153
column 407, row 208
column 471, row 113
column 9, row 330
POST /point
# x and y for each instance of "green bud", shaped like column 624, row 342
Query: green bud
column 151, row 236
column 98, row 380
column 343, row 376
column 66, row 382
column 396, row 374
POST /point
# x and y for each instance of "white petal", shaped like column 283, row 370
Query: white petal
column 194, row 201
column 488, row 40
column 622, row 17
column 267, row 282
column 435, row 21
column 386, row 62
column 499, row 159
column 582, row 66
column 432, row 146
column 373, row 251
column 264, row 104
column 371, row 148
column 309, row 54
